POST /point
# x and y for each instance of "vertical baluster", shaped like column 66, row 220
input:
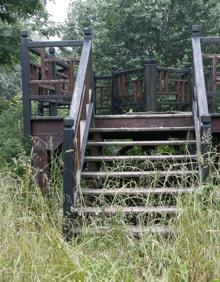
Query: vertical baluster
column 53, row 106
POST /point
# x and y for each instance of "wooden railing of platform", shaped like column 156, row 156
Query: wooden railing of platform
column 47, row 78
column 150, row 88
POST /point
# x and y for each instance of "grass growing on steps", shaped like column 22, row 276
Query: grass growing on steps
column 32, row 247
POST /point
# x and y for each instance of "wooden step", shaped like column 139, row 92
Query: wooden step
column 134, row 174
column 142, row 129
column 143, row 120
column 142, row 143
column 127, row 210
column 140, row 158
column 135, row 230
column 146, row 115
column 135, row 191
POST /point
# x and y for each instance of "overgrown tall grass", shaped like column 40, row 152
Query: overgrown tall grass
column 32, row 247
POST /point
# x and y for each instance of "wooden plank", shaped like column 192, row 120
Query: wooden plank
column 199, row 77
column 49, row 43
column 135, row 191
column 172, row 70
column 46, row 97
column 25, row 72
column 141, row 158
column 145, row 115
column 51, row 81
column 57, row 59
column 80, row 80
column 211, row 39
column 128, row 210
column 131, row 71
column 142, row 129
column 142, row 143
column 138, row 173
column 135, row 230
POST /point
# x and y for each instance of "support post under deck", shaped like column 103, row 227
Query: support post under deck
column 68, row 179
column 25, row 70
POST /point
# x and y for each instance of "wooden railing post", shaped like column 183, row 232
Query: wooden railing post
column 68, row 178
column 210, row 89
column 94, row 89
column 150, row 80
column 188, row 90
column 53, row 106
column 25, row 70
column 116, row 103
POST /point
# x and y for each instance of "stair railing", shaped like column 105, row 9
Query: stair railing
column 202, row 118
column 76, row 126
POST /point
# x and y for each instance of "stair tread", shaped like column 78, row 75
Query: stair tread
column 160, row 229
column 133, row 143
column 135, row 191
column 130, row 209
column 137, row 173
column 149, row 129
column 145, row 157
column 146, row 115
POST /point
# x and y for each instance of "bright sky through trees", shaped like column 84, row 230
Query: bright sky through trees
column 58, row 10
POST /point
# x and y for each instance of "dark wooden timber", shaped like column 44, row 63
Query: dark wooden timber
column 201, row 111
column 150, row 120
column 64, row 43
column 68, row 178
column 209, row 39
column 116, row 102
column 150, row 72
column 25, row 66
column 53, row 106
column 80, row 114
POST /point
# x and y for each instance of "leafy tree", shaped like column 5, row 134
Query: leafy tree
column 13, row 15
column 126, row 31
column 11, row 10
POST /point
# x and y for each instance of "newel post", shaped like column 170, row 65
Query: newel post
column 150, row 84
column 25, row 74
column 68, row 179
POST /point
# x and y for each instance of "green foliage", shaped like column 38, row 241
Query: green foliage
column 10, row 83
column 12, row 10
column 12, row 17
column 12, row 145
column 126, row 31
column 33, row 249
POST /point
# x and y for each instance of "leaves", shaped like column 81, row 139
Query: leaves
column 126, row 31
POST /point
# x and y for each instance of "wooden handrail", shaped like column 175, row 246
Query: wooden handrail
column 199, row 79
column 76, row 126
column 202, row 118
column 78, row 96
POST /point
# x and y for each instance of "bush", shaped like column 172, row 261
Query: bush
column 12, row 144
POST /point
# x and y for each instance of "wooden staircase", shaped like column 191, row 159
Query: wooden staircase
column 137, row 172
column 124, row 167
